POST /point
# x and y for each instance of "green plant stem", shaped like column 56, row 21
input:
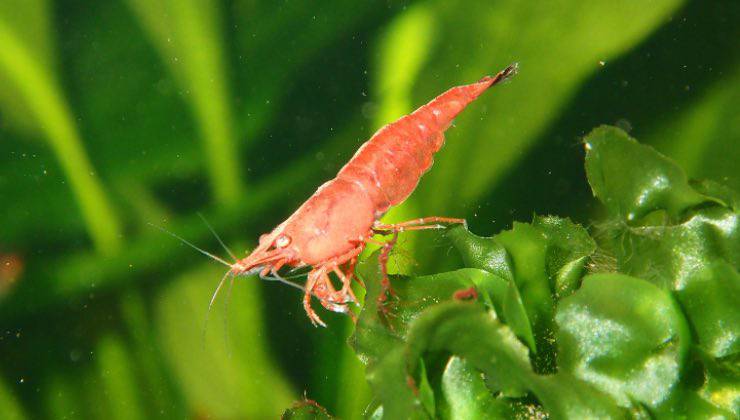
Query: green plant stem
column 44, row 100
column 185, row 35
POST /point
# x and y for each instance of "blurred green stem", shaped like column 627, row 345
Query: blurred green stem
column 9, row 406
column 44, row 99
column 119, row 384
column 185, row 34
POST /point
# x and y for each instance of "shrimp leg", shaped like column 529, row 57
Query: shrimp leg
column 319, row 284
column 385, row 283
column 311, row 281
column 433, row 222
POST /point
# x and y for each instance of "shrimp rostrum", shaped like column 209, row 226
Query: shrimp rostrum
column 330, row 230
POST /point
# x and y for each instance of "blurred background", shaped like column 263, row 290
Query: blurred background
column 120, row 113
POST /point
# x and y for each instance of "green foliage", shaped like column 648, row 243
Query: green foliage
column 306, row 409
column 120, row 113
column 525, row 330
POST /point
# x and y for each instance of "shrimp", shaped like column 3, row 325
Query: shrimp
column 330, row 230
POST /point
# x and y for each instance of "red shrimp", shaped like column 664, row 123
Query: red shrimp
column 330, row 230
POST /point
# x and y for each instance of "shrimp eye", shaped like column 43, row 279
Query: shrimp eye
column 282, row 241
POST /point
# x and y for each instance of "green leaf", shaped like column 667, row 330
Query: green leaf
column 379, row 340
column 119, row 386
column 466, row 395
column 542, row 262
column 569, row 246
column 726, row 195
column 483, row 253
column 306, row 410
column 38, row 103
column 624, row 336
column 721, row 387
column 710, row 297
column 465, row 330
column 527, row 247
column 697, row 258
column 468, row 331
column 633, row 180
column 186, row 35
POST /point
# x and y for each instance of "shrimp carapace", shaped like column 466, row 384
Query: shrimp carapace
column 330, row 230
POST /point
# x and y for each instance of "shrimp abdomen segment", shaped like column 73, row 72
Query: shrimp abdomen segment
column 390, row 164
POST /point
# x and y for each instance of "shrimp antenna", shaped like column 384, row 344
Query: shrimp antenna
column 217, row 237
column 284, row 281
column 206, row 253
column 226, row 315
column 210, row 305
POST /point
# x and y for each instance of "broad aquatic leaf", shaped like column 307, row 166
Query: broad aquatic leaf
column 710, row 299
column 721, row 387
column 711, row 388
column 668, row 255
column 543, row 261
column 625, row 337
column 38, row 103
column 468, row 331
column 726, row 195
column 483, row 253
column 392, row 346
column 186, row 34
column 466, row 395
column 527, row 247
column 633, row 180
column 119, row 387
column 502, row 294
column 699, row 260
column 489, row 255
column 569, row 246
column 463, row 329
column 683, row 237
column 382, row 347
column 306, row 410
